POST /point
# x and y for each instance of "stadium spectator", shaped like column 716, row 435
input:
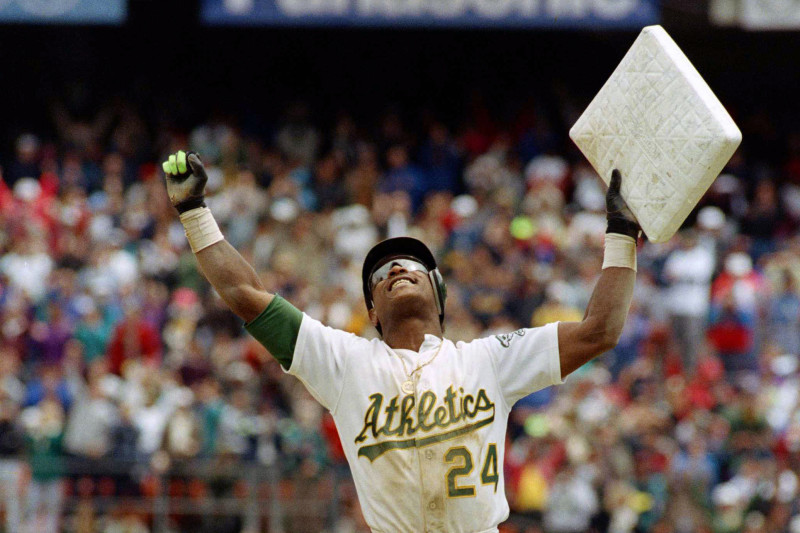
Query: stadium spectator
column 133, row 340
column 47, row 383
column 688, row 271
column 11, row 446
column 402, row 176
column 103, row 316
column 93, row 330
column 27, row 264
column 87, row 434
column 49, row 336
column 784, row 316
column 440, row 160
column 153, row 414
column 26, row 162
column 182, row 434
column 764, row 219
column 572, row 502
column 298, row 139
column 44, row 424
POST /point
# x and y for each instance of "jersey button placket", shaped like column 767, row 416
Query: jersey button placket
column 432, row 476
column 415, row 380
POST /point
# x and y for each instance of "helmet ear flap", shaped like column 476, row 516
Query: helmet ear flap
column 439, row 291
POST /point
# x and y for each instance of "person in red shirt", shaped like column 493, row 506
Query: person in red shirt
column 133, row 339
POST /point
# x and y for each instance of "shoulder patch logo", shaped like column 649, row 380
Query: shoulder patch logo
column 506, row 338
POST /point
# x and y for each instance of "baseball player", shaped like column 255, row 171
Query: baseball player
column 422, row 419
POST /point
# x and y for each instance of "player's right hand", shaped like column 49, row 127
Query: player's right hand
column 186, row 180
column 619, row 215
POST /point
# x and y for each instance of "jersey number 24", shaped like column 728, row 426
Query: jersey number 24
column 461, row 455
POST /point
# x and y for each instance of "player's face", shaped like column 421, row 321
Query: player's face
column 404, row 281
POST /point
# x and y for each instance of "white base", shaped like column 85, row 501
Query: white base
column 658, row 122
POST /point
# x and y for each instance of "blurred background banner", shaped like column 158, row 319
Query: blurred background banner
column 770, row 14
column 432, row 13
column 63, row 11
column 756, row 15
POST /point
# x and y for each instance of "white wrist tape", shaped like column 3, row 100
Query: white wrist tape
column 201, row 228
column 620, row 251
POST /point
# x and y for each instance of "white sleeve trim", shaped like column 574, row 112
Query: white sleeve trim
column 555, row 362
column 297, row 355
column 298, row 347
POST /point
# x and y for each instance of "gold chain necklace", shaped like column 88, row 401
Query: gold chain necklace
column 408, row 384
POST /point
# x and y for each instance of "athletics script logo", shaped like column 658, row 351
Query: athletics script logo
column 403, row 417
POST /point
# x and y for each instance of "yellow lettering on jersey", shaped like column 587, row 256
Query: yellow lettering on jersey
column 371, row 416
column 426, row 403
column 425, row 417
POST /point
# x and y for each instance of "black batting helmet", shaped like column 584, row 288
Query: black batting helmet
column 403, row 247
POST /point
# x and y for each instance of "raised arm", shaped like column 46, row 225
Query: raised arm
column 599, row 331
column 234, row 279
column 227, row 271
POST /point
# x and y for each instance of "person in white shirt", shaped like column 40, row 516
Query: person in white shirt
column 689, row 270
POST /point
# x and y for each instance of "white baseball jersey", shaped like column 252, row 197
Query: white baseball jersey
column 429, row 458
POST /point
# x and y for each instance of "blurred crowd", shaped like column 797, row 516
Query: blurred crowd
column 120, row 367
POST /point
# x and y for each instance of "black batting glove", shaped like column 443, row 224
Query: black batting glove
column 619, row 216
column 186, row 181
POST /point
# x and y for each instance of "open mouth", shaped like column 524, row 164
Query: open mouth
column 402, row 280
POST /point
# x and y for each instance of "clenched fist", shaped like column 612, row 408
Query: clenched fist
column 186, row 180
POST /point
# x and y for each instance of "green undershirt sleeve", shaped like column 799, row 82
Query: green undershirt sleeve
column 277, row 328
